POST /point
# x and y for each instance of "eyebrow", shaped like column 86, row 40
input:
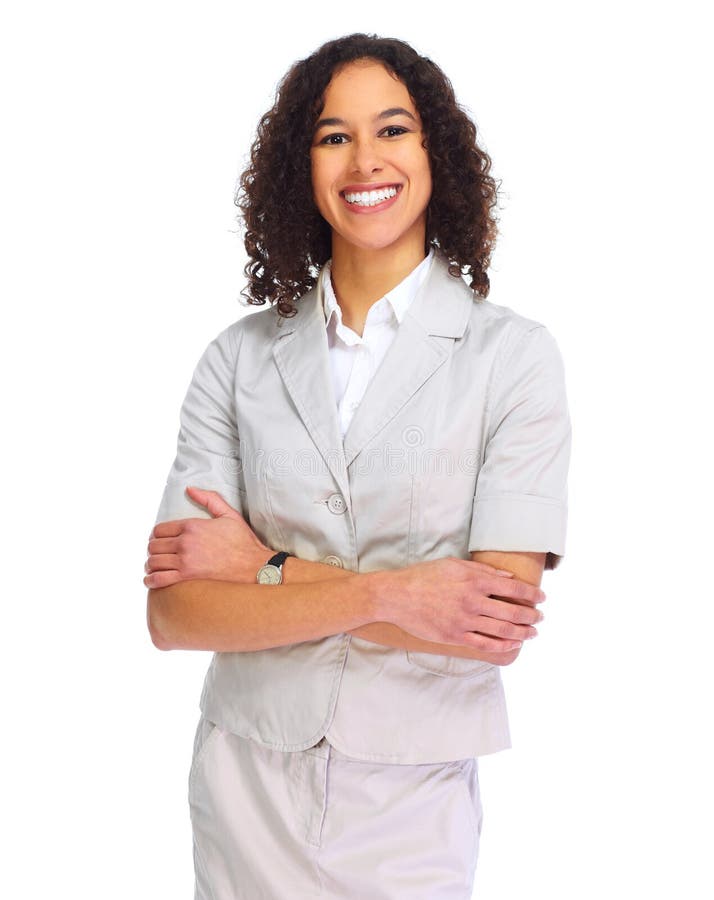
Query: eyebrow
column 385, row 114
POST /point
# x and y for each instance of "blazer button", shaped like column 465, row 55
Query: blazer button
column 336, row 504
column 334, row 561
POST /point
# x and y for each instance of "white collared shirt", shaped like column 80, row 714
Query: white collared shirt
column 355, row 359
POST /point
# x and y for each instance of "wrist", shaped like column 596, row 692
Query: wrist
column 375, row 587
column 257, row 559
column 288, row 566
column 271, row 571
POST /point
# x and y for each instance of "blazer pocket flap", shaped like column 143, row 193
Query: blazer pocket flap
column 450, row 666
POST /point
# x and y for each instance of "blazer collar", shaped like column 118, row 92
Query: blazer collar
column 442, row 305
column 399, row 299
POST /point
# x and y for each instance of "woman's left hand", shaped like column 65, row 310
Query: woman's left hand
column 223, row 548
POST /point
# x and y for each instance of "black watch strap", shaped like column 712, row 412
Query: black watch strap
column 278, row 559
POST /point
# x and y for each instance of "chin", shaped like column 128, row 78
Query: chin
column 377, row 239
column 375, row 244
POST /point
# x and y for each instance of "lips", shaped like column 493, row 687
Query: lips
column 370, row 197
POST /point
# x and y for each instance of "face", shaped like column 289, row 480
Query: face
column 371, row 177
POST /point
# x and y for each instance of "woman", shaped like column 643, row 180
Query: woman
column 341, row 455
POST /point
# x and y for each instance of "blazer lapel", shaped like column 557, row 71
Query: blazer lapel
column 302, row 357
column 436, row 317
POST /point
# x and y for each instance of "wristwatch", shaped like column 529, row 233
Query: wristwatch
column 272, row 571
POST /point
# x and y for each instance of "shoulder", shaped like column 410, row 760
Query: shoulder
column 501, row 325
column 254, row 333
column 485, row 326
column 518, row 348
column 510, row 331
column 253, row 327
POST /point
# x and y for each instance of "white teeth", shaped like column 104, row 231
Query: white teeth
column 371, row 198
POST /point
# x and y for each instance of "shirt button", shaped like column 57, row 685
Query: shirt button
column 336, row 504
column 333, row 561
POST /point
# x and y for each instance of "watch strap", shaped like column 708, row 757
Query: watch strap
column 278, row 559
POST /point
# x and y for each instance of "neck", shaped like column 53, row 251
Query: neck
column 362, row 277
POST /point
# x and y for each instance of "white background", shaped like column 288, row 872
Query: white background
column 126, row 126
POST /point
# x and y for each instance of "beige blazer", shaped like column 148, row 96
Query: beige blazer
column 461, row 443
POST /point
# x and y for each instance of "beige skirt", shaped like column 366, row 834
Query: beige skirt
column 271, row 825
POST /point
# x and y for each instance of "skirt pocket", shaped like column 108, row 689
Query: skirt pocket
column 206, row 733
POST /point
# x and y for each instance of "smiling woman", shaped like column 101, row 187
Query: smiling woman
column 314, row 114
column 371, row 180
column 353, row 463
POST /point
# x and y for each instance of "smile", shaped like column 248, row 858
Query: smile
column 367, row 200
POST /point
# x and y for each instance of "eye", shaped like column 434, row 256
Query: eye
column 334, row 139
column 394, row 131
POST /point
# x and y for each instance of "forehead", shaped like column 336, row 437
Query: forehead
column 365, row 86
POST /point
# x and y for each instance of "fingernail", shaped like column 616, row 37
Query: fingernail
column 504, row 572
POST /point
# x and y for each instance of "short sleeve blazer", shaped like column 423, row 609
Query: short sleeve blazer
column 471, row 394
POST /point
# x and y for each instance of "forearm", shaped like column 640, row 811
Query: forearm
column 225, row 616
column 301, row 571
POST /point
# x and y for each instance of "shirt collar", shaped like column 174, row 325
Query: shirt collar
column 399, row 298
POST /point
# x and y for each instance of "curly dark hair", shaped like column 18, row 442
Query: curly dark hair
column 286, row 238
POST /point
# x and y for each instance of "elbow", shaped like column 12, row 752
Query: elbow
column 158, row 619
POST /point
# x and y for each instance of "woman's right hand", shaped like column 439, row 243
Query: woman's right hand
column 222, row 548
column 447, row 601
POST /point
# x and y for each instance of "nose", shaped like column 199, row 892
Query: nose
column 365, row 156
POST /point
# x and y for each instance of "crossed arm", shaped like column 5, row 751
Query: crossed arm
column 526, row 567
column 203, row 595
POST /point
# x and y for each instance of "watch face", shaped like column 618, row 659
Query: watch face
column 269, row 575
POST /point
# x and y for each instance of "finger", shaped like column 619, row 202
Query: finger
column 506, row 631
column 213, row 502
column 169, row 529
column 513, row 589
column 516, row 613
column 163, row 545
column 160, row 562
column 488, row 644
column 157, row 580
